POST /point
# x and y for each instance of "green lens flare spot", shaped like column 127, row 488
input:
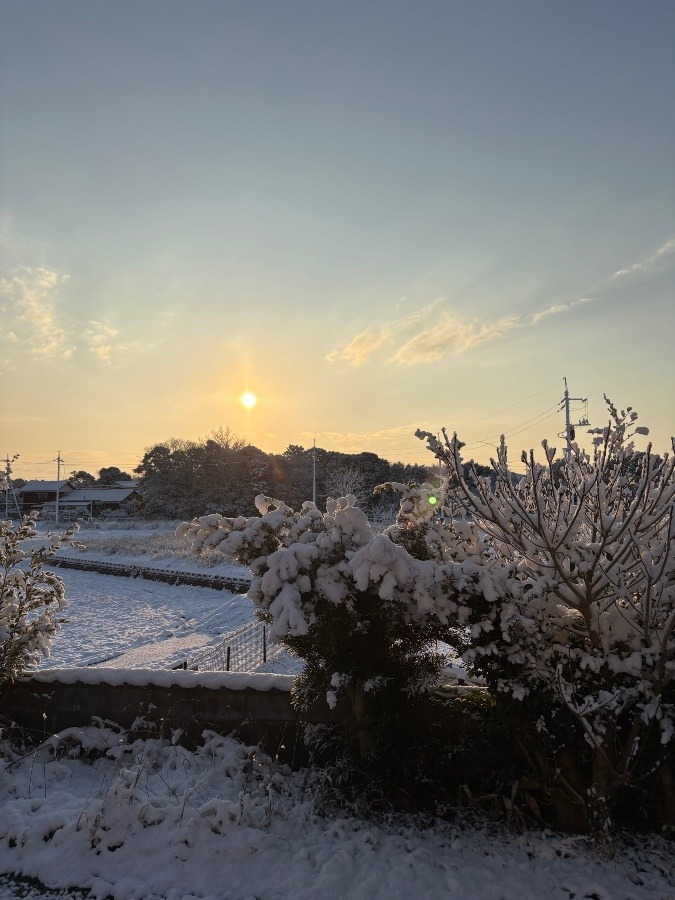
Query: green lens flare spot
column 432, row 501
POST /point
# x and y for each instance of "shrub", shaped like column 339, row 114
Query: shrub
column 558, row 588
column 580, row 625
column 356, row 606
column 31, row 597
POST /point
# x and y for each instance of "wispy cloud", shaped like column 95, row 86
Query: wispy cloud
column 649, row 262
column 450, row 334
column 355, row 441
column 558, row 308
column 102, row 340
column 32, row 297
column 363, row 345
column 360, row 348
column 431, row 333
column 37, row 324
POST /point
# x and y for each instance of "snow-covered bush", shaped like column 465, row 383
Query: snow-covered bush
column 557, row 587
column 581, row 621
column 355, row 605
column 31, row 597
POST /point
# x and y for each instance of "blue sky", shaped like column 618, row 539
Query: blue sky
column 374, row 215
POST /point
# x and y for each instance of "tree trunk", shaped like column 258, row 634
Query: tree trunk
column 665, row 775
column 357, row 697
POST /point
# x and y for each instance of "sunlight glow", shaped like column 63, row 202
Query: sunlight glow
column 248, row 400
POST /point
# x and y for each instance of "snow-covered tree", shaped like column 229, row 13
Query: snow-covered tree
column 558, row 588
column 31, row 598
column 581, row 617
column 355, row 605
column 344, row 479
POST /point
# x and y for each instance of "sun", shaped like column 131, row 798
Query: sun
column 248, row 400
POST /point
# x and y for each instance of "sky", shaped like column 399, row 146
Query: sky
column 375, row 216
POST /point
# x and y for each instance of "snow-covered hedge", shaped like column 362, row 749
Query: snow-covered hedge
column 31, row 597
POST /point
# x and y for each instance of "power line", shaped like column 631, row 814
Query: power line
column 518, row 429
column 504, row 408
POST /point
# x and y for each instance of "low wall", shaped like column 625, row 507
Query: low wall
column 255, row 707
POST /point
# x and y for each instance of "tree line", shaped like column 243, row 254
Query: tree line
column 223, row 473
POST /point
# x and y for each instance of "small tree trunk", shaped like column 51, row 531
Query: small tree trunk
column 603, row 785
column 357, row 698
column 665, row 774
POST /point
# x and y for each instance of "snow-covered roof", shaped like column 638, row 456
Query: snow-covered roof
column 99, row 495
column 45, row 485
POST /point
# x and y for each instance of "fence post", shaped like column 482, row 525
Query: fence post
column 228, row 658
column 264, row 644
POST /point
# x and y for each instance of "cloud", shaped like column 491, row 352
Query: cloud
column 355, row 441
column 430, row 333
column 451, row 334
column 650, row 261
column 32, row 293
column 363, row 345
column 558, row 308
column 37, row 325
column 442, row 333
column 100, row 337
column 358, row 350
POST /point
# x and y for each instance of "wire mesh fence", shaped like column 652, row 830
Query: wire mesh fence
column 243, row 650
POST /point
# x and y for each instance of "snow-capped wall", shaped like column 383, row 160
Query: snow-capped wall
column 257, row 708
column 234, row 681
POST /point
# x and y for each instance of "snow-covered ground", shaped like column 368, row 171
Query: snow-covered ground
column 151, row 820
column 137, row 623
column 108, row 616
column 97, row 810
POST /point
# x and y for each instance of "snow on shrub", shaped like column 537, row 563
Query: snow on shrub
column 31, row 597
column 587, row 619
column 557, row 587
column 357, row 606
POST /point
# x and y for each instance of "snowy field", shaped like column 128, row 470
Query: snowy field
column 95, row 813
column 137, row 623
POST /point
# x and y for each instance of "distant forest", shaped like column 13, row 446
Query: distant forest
column 222, row 473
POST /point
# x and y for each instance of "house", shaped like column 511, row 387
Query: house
column 94, row 501
column 34, row 494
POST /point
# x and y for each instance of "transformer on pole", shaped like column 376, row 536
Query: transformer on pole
column 570, row 434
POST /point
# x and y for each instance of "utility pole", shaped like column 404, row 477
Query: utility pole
column 314, row 472
column 570, row 433
column 9, row 486
column 58, row 462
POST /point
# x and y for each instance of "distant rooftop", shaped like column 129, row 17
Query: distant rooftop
column 98, row 495
column 44, row 485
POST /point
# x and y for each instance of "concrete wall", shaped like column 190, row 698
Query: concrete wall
column 254, row 715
